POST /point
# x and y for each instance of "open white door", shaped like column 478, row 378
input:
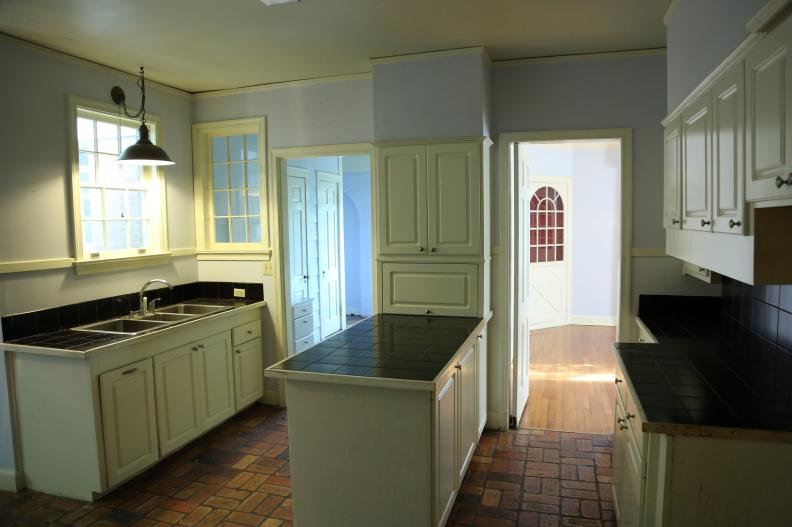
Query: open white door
column 297, row 203
column 520, row 359
column 329, row 202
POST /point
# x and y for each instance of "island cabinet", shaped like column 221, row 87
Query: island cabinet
column 90, row 420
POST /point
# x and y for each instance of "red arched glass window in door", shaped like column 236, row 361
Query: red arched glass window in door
column 547, row 226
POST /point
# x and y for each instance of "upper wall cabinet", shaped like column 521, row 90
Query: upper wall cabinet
column 430, row 199
column 697, row 165
column 768, row 68
column 672, row 151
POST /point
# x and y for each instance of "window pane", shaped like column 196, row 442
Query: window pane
column 116, row 235
column 85, row 134
column 220, row 203
column 220, row 177
column 253, row 203
column 238, row 234
column 87, row 168
column 93, row 236
column 132, row 175
column 251, row 144
column 236, row 173
column 107, row 137
column 253, row 175
column 109, row 171
column 236, row 148
column 91, row 200
column 219, row 150
column 237, row 202
column 114, row 204
column 138, row 234
column 221, row 230
column 254, row 230
column 136, row 203
column 129, row 137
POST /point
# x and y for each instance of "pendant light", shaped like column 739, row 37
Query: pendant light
column 144, row 152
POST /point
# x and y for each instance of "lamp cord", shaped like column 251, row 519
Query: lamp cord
column 141, row 82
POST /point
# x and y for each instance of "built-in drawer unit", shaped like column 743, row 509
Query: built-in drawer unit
column 631, row 417
column 303, row 343
column 246, row 332
column 303, row 327
column 430, row 289
column 302, row 309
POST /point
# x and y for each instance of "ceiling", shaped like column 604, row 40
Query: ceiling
column 201, row 45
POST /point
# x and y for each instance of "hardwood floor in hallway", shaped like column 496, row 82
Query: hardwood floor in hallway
column 571, row 380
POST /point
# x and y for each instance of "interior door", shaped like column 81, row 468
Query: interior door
column 548, row 254
column 297, row 203
column 521, row 348
column 329, row 203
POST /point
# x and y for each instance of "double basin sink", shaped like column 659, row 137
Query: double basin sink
column 164, row 317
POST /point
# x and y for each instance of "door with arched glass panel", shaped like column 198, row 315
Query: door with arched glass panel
column 548, row 254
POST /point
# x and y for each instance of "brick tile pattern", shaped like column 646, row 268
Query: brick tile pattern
column 238, row 475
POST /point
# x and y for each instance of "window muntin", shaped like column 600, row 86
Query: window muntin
column 235, row 206
column 546, row 236
column 118, row 211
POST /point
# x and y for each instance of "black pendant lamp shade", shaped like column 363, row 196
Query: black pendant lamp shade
column 143, row 152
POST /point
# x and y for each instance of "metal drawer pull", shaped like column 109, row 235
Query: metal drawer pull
column 428, row 311
column 201, row 346
column 420, row 249
column 675, row 222
column 704, row 223
column 195, row 348
column 629, row 416
column 623, row 427
column 250, row 332
column 780, row 182
column 733, row 224
column 618, row 380
column 237, row 352
column 621, row 420
column 432, row 250
column 458, row 366
column 130, row 372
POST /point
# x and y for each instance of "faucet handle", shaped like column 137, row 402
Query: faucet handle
column 152, row 306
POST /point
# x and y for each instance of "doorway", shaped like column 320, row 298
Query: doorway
column 326, row 244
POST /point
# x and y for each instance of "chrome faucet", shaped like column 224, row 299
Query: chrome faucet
column 144, row 301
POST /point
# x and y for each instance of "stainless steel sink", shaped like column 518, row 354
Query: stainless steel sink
column 193, row 309
column 127, row 326
column 168, row 317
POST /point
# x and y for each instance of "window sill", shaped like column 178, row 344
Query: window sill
column 85, row 267
column 261, row 255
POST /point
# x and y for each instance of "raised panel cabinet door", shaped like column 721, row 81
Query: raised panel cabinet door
column 217, row 376
column 128, row 420
column 248, row 373
column 445, row 455
column 627, row 472
column 697, row 165
column 430, row 289
column 728, row 146
column 481, row 381
column 454, row 197
column 672, row 166
column 768, row 112
column 468, row 424
column 401, row 196
column 179, row 387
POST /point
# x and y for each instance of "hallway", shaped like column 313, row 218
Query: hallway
column 571, row 380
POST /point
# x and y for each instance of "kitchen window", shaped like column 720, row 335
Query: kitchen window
column 231, row 189
column 119, row 210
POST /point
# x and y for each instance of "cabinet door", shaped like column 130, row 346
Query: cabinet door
column 128, row 420
column 445, row 458
column 431, row 289
column 481, row 382
column 627, row 473
column 697, row 165
column 468, row 424
column 217, row 376
column 180, row 412
column 454, row 196
column 672, row 166
column 401, row 181
column 248, row 373
column 728, row 146
column 768, row 89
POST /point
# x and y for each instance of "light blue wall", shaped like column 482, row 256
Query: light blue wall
column 357, row 243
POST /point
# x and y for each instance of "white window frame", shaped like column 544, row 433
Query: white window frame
column 157, row 251
column 207, row 248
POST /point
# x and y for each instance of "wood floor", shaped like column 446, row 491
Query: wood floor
column 571, row 380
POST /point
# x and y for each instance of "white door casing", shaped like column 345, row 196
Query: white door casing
column 548, row 283
column 521, row 352
column 329, row 205
column 296, row 195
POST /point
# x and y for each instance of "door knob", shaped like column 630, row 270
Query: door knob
column 733, row 224
column 305, row 277
column 674, row 221
column 780, row 182
column 704, row 223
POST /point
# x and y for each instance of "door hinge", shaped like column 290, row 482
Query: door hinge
column 512, row 423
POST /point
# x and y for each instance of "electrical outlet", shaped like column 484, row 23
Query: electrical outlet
column 268, row 269
column 239, row 293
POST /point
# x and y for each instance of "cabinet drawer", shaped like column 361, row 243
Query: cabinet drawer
column 301, row 310
column 303, row 343
column 430, row 289
column 246, row 332
column 303, row 327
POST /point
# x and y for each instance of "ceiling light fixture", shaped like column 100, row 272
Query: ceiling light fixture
column 144, row 152
column 270, row 3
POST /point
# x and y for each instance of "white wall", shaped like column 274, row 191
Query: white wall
column 358, row 252
column 700, row 34
column 593, row 169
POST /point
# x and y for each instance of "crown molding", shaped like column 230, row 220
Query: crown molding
column 394, row 59
column 281, row 85
column 604, row 55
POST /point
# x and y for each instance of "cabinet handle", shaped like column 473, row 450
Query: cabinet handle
column 458, row 366
column 479, row 337
column 250, row 331
column 420, row 249
column 617, row 381
column 623, row 427
column 237, row 352
column 780, row 182
column 201, row 346
column 195, row 348
column 628, row 415
column 733, row 224
column 621, row 420
column 129, row 372
column 433, row 250
column 702, row 270
column 674, row 221
column 428, row 311
column 704, row 223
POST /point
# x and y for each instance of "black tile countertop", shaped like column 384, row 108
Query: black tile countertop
column 387, row 346
column 84, row 341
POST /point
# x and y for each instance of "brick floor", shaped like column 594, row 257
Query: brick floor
column 238, row 475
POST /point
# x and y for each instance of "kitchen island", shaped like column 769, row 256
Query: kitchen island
column 384, row 418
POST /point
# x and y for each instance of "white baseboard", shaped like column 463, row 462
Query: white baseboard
column 11, row 480
column 583, row 320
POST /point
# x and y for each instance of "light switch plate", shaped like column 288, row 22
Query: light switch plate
column 268, row 269
column 239, row 293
